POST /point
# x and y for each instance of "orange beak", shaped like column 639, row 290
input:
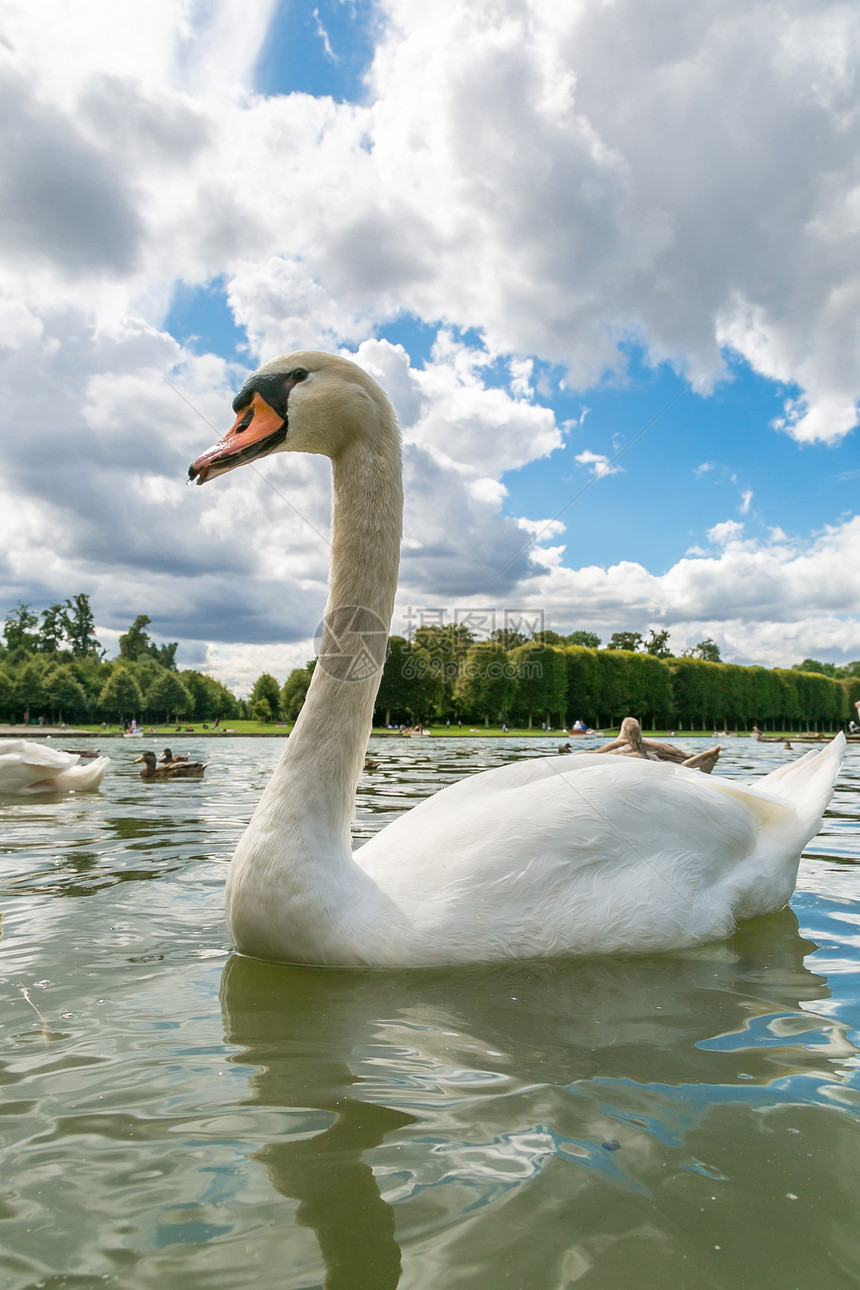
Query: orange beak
column 257, row 430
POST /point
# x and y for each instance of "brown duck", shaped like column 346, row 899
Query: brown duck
column 631, row 744
column 172, row 770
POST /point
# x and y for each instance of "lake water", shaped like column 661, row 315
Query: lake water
column 175, row 1117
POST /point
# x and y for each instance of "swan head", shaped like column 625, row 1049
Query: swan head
column 302, row 402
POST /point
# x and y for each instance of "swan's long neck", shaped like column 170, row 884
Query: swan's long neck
column 293, row 882
column 325, row 752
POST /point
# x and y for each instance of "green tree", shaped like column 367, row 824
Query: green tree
column 65, row 695
column 428, row 687
column 167, row 697
column 813, row 665
column 708, row 650
column 445, row 647
column 80, row 627
column 649, row 689
column 135, row 643
column 412, row 684
column 30, row 691
column 210, row 699
column 165, row 655
column 583, row 684
column 699, row 690
column 261, row 710
column 293, row 692
column 658, row 644
column 91, row 674
column 766, row 697
column 146, row 672
column 395, row 687
column 7, row 695
column 541, row 682
column 120, row 698
column 625, row 640
column 588, row 640
column 266, row 688
column 615, row 697
column 21, row 629
column 486, row 684
column 508, row 638
column 850, row 697
column 53, row 629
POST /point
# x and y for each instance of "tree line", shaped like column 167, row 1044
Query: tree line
column 53, row 667
column 445, row 674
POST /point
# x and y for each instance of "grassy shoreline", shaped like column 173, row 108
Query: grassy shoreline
column 255, row 729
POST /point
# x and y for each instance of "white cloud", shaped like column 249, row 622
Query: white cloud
column 553, row 180
column 561, row 221
column 727, row 533
column 324, row 37
column 773, row 602
column 284, row 309
column 597, row 463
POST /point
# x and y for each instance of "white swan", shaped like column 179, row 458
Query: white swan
column 551, row 856
column 28, row 768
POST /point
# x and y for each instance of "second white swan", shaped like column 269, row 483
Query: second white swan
column 548, row 856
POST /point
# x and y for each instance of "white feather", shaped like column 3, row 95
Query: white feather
column 28, row 768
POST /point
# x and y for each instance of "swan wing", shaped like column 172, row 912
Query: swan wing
column 83, row 778
column 28, row 768
column 24, row 763
column 589, row 854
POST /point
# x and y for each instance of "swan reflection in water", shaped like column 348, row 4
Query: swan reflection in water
column 462, row 1099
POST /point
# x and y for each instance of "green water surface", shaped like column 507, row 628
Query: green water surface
column 175, row 1117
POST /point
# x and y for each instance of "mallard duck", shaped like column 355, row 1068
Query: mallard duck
column 169, row 758
column 594, row 854
column 174, row 770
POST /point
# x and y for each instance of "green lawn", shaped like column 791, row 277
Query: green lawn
column 188, row 729
column 275, row 729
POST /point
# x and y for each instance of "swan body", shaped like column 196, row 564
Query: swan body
column 591, row 854
column 28, row 768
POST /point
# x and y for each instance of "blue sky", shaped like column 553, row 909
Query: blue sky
column 319, row 49
column 687, row 458
column 555, row 236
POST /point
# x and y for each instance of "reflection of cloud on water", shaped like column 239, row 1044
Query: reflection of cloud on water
column 493, row 1168
column 668, row 1112
column 818, row 1034
column 439, row 1097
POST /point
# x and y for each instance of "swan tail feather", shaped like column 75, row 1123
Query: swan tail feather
column 808, row 782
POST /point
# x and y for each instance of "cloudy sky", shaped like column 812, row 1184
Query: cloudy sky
column 604, row 256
